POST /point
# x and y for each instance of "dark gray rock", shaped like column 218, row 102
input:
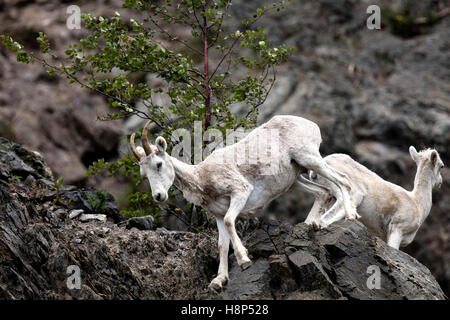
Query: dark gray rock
column 350, row 250
column 311, row 276
column 17, row 161
column 329, row 264
column 141, row 223
column 250, row 284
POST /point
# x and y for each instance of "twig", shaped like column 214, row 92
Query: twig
column 63, row 69
column 173, row 37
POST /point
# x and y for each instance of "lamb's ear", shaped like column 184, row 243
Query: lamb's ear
column 414, row 154
column 434, row 157
column 161, row 144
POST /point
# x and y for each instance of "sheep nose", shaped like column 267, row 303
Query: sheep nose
column 158, row 197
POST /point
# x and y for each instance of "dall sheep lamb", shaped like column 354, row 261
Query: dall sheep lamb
column 387, row 210
column 226, row 187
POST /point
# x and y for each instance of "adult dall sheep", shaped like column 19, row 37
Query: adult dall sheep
column 227, row 187
column 387, row 210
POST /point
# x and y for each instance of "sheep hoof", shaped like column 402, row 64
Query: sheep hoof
column 246, row 265
column 355, row 217
column 321, row 225
column 215, row 287
column 316, row 226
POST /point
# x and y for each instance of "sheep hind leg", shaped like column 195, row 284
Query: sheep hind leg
column 237, row 203
column 317, row 164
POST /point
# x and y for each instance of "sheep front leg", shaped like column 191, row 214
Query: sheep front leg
column 394, row 238
column 237, row 203
column 224, row 244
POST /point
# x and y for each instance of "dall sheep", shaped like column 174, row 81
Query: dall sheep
column 226, row 187
column 387, row 210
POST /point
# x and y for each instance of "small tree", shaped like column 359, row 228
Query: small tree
column 197, row 90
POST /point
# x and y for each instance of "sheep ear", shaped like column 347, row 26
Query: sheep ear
column 434, row 157
column 161, row 144
column 414, row 154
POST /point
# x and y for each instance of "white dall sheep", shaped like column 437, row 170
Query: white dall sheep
column 387, row 210
column 226, row 187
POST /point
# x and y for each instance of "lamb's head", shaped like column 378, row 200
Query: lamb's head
column 430, row 160
column 155, row 164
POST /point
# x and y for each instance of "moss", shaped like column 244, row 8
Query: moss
column 14, row 178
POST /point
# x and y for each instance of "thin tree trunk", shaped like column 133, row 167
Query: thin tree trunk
column 206, row 73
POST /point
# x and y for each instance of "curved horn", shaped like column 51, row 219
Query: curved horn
column 145, row 143
column 133, row 147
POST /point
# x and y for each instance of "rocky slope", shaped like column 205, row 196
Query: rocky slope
column 373, row 93
column 38, row 242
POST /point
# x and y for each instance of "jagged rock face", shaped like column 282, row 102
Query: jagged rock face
column 301, row 263
column 39, row 242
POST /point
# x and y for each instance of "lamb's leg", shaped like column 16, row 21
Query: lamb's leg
column 321, row 194
column 315, row 213
column 237, row 203
column 394, row 238
column 331, row 217
column 320, row 217
column 224, row 244
column 318, row 165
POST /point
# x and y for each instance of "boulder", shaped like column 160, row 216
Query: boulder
column 335, row 263
column 141, row 223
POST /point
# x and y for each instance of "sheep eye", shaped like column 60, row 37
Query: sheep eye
column 158, row 165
